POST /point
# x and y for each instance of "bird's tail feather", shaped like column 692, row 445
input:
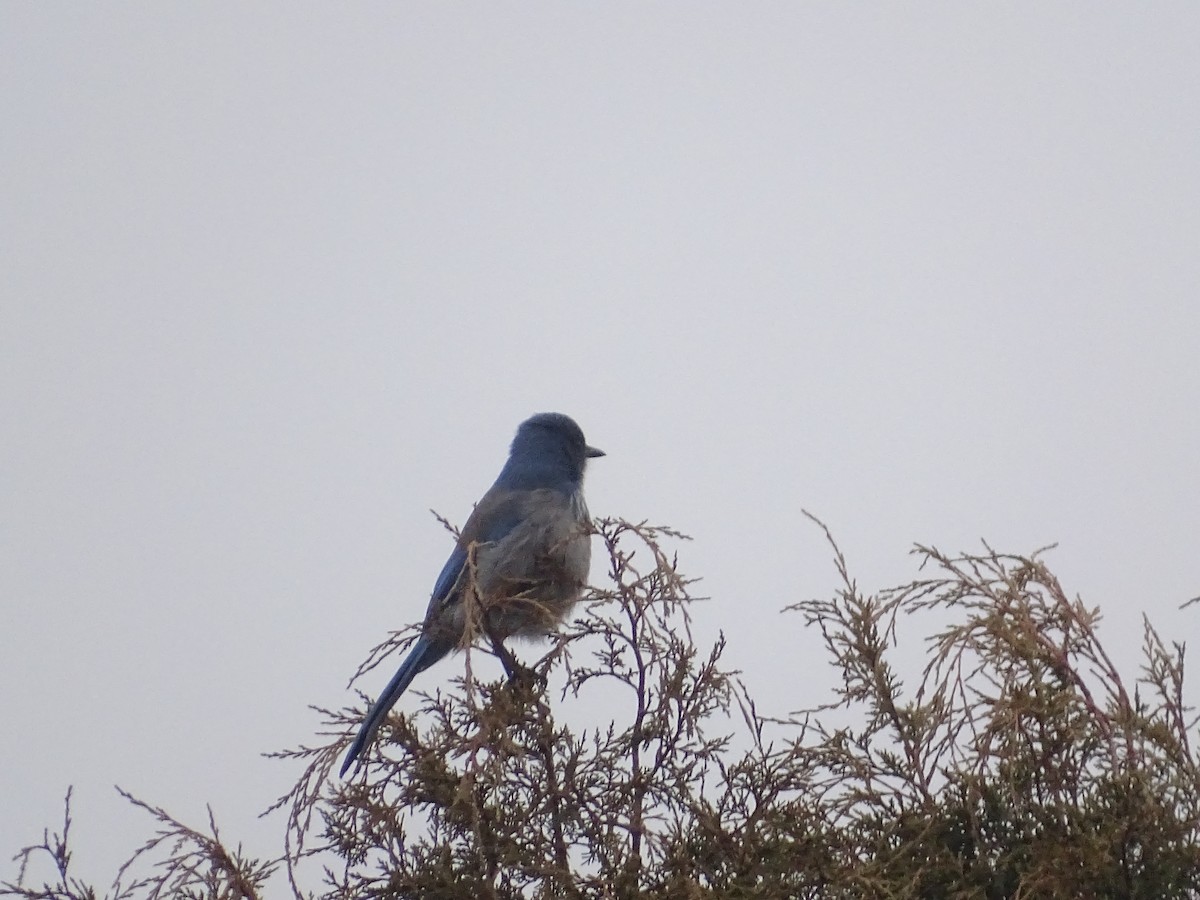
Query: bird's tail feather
column 422, row 656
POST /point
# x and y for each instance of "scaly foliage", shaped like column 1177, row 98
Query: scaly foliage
column 1018, row 764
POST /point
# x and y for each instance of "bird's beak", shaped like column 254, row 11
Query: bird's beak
column 592, row 452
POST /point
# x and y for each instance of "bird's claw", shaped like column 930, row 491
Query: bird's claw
column 524, row 677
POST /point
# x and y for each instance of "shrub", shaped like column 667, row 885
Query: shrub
column 1018, row 764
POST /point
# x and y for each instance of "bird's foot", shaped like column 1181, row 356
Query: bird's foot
column 506, row 658
column 524, row 677
column 518, row 675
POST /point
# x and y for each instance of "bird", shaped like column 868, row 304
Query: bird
column 523, row 554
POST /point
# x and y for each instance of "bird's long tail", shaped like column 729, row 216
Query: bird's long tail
column 423, row 655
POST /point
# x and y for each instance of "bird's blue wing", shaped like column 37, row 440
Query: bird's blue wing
column 449, row 575
column 494, row 518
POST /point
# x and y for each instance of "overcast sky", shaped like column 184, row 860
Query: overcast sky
column 278, row 279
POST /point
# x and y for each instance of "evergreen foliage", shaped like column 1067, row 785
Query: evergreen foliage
column 1018, row 764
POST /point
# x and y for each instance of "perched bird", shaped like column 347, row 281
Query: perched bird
column 523, row 555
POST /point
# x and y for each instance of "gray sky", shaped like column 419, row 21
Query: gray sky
column 278, row 279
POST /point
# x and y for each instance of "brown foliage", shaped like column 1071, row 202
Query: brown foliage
column 1019, row 764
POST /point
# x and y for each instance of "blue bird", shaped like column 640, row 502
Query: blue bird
column 524, row 555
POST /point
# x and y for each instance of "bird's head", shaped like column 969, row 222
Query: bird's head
column 549, row 447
